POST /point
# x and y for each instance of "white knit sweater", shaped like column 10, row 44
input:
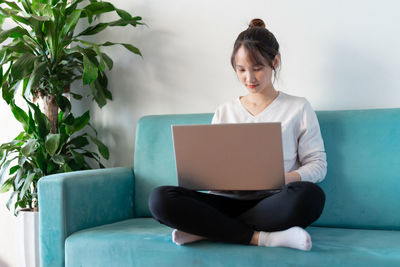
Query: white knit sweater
column 303, row 147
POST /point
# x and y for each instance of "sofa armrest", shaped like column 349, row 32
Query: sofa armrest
column 69, row 202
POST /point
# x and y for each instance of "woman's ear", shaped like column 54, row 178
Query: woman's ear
column 276, row 61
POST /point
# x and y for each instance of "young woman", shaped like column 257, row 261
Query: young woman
column 263, row 218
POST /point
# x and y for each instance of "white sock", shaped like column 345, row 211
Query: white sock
column 180, row 237
column 295, row 237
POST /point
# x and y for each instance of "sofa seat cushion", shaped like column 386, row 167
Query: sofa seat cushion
column 145, row 242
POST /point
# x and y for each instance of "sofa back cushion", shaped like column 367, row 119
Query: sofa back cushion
column 154, row 160
column 363, row 178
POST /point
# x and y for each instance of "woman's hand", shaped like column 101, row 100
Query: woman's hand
column 292, row 177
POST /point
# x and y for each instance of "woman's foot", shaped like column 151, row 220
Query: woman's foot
column 295, row 237
column 180, row 237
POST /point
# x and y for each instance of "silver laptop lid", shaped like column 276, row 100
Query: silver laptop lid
column 233, row 156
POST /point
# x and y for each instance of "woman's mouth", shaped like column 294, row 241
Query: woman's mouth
column 252, row 85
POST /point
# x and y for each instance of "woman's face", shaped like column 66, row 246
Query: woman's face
column 256, row 78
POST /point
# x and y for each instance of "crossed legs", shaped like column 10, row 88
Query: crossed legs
column 220, row 218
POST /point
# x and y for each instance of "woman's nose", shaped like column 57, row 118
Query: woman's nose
column 251, row 77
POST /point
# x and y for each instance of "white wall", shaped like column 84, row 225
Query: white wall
column 339, row 55
column 9, row 129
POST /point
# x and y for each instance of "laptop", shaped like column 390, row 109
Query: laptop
column 229, row 156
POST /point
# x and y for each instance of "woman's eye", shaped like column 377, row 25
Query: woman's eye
column 258, row 69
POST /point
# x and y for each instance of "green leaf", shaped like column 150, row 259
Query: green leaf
column 16, row 46
column 8, row 91
column 79, row 123
column 58, row 159
column 3, row 171
column 72, row 6
column 7, row 185
column 93, row 29
column 102, row 65
column 29, row 147
column 48, row 29
column 88, row 14
column 69, row 120
column 2, row 18
column 127, row 46
column 76, row 96
column 21, row 160
column 14, row 169
column 31, row 123
column 92, row 155
column 18, row 181
column 23, row 66
column 24, row 85
column 123, row 14
column 60, row 116
column 41, row 18
column 51, row 167
column 63, row 103
column 27, row 184
column 20, row 136
column 99, row 90
column 101, row 147
column 67, row 168
column 52, row 142
column 40, row 67
column 78, row 158
column 70, row 23
column 41, row 119
column 108, row 60
column 99, row 7
column 20, row 19
column 12, row 5
column 27, row 6
column 39, row 6
column 3, row 155
column 62, row 130
column 20, row 115
column 10, row 199
column 122, row 22
column 41, row 160
column 102, row 82
column 94, row 129
column 79, row 142
column 98, row 95
column 54, row 3
column 132, row 48
column 89, row 72
column 14, row 33
column 126, row 19
column 22, row 204
column 5, row 60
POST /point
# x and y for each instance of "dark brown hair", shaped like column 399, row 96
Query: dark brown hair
column 260, row 43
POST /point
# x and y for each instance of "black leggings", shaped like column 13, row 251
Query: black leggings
column 227, row 219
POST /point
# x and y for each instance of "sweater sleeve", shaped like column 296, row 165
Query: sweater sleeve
column 216, row 118
column 311, row 150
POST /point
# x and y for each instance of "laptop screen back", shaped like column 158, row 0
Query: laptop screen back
column 236, row 156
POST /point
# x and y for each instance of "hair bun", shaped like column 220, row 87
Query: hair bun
column 256, row 23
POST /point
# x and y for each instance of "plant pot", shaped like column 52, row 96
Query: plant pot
column 27, row 237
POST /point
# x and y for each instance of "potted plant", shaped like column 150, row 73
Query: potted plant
column 39, row 58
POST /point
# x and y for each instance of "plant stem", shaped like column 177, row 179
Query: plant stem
column 51, row 111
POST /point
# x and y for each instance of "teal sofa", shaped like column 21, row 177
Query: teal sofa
column 101, row 217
